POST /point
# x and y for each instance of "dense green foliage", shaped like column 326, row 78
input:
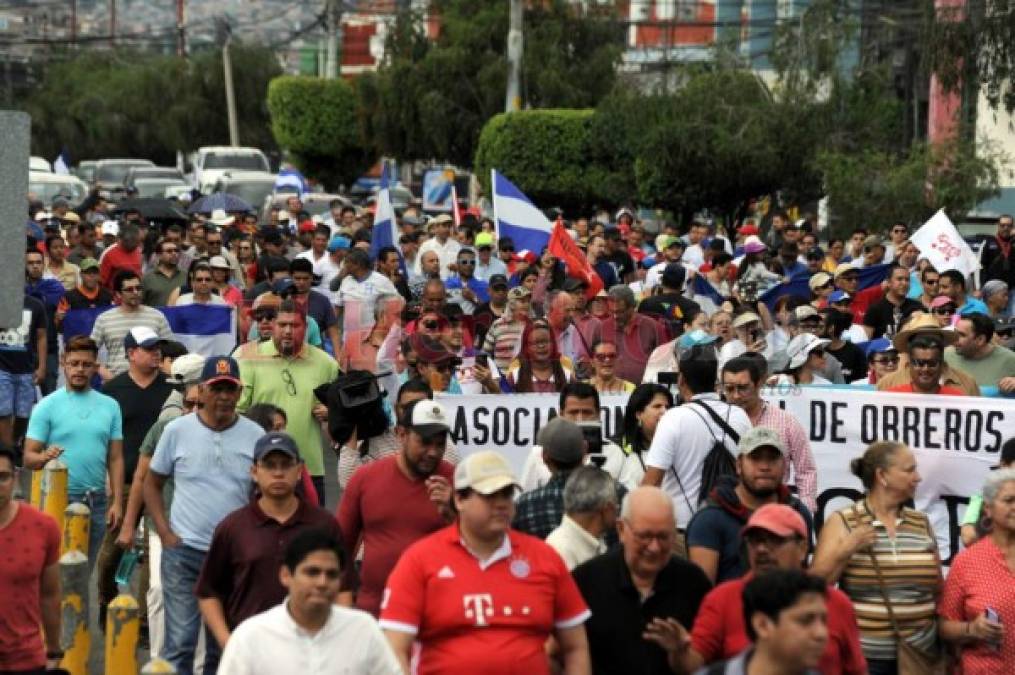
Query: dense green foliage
column 125, row 104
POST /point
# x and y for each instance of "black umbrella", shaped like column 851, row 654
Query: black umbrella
column 152, row 208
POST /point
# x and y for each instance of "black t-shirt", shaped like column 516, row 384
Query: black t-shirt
column 673, row 308
column 17, row 345
column 140, row 410
column 624, row 263
column 853, row 360
column 78, row 300
column 884, row 317
column 619, row 615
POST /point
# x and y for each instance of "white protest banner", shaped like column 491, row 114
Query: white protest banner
column 956, row 439
column 941, row 244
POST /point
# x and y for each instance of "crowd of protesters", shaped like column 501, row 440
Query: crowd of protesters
column 603, row 555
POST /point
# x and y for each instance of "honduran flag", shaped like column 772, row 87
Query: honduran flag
column 290, row 179
column 515, row 216
column 385, row 230
column 208, row 330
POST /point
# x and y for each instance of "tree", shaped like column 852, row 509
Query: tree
column 315, row 120
column 131, row 104
column 431, row 98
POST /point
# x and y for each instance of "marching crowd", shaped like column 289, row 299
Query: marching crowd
column 687, row 543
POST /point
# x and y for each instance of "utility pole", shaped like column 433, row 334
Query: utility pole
column 334, row 18
column 181, row 31
column 112, row 23
column 234, row 131
column 515, row 44
column 73, row 22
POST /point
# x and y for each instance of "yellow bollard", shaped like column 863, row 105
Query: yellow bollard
column 36, row 497
column 158, row 666
column 74, row 637
column 54, row 490
column 122, row 629
column 76, row 525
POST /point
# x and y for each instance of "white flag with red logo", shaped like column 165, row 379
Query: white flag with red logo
column 941, row 244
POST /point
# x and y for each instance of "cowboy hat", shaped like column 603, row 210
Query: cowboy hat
column 923, row 324
column 221, row 218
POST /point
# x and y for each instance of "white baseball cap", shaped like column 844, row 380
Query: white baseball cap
column 486, row 472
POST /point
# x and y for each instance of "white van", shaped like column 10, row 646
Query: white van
column 210, row 162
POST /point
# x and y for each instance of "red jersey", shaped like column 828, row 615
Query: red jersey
column 488, row 617
column 30, row 544
column 945, row 390
column 719, row 631
column 861, row 300
column 387, row 511
column 115, row 259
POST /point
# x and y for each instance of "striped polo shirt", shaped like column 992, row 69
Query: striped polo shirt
column 912, row 575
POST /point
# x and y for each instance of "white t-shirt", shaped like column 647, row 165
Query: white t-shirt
column 447, row 253
column 625, row 469
column 357, row 297
column 683, row 439
column 271, row 642
column 188, row 299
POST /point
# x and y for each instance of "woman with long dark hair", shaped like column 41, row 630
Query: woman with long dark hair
column 539, row 367
column 645, row 407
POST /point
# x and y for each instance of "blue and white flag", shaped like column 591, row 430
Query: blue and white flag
column 61, row 165
column 515, row 216
column 291, row 180
column 385, row 232
column 208, row 330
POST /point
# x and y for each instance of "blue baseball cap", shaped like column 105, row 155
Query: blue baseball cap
column 338, row 243
column 838, row 296
column 878, row 346
column 221, row 369
column 275, row 441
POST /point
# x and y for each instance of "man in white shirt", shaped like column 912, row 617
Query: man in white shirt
column 357, row 293
column 445, row 246
column 686, row 434
column 317, row 253
column 695, row 253
column 487, row 264
column 590, row 511
column 309, row 633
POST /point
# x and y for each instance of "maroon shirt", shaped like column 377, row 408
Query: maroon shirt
column 635, row 344
column 388, row 511
column 241, row 568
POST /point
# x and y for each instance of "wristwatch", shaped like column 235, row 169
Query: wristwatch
column 55, row 655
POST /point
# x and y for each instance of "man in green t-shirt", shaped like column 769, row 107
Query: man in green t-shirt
column 284, row 371
column 990, row 365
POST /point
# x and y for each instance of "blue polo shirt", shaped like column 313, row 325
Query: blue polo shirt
column 210, row 471
column 477, row 286
column 83, row 424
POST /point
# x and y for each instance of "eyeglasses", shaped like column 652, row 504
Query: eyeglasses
column 202, row 280
column 945, row 310
column 612, row 356
column 820, row 353
column 265, row 315
column 730, row 389
column 925, row 363
column 170, row 250
column 290, row 384
column 885, row 360
column 899, row 230
column 645, row 538
column 189, row 403
column 467, row 262
column 930, row 282
column 430, row 325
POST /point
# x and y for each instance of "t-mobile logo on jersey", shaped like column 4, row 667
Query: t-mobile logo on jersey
column 478, row 606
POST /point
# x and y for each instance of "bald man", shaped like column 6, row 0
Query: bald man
column 641, row 584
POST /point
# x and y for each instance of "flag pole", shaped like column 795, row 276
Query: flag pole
column 493, row 196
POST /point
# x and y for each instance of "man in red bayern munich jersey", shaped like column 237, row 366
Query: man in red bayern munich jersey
column 480, row 597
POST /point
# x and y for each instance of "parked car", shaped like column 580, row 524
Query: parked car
column 85, row 170
column 47, row 186
column 210, row 162
column 156, row 187
column 110, row 173
column 250, row 186
column 36, row 163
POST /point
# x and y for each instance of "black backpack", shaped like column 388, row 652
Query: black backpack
column 719, row 461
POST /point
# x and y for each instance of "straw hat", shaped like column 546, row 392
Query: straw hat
column 923, row 324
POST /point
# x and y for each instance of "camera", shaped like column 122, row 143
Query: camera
column 593, row 433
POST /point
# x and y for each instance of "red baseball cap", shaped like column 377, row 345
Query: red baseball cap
column 748, row 230
column 779, row 519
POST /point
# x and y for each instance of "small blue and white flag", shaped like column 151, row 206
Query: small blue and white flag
column 385, row 232
column 61, row 165
column 291, row 180
column 515, row 216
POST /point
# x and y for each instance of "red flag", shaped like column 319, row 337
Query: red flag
column 564, row 248
column 456, row 210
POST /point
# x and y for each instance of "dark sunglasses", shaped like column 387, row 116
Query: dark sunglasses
column 607, row 357
column 886, row 359
column 945, row 310
column 469, row 261
column 925, row 363
column 265, row 315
